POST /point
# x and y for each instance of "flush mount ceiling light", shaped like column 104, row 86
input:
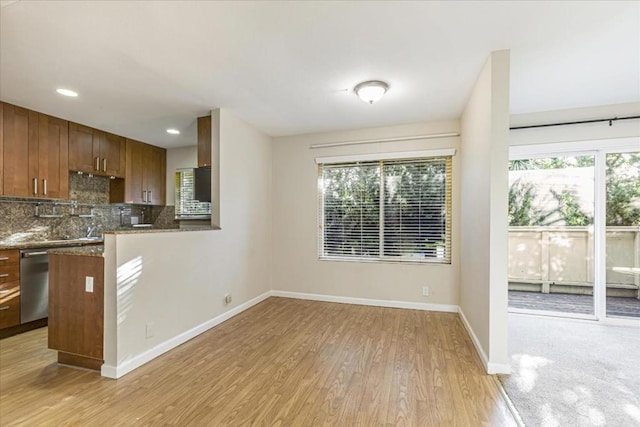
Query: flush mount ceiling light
column 173, row 131
column 67, row 92
column 371, row 91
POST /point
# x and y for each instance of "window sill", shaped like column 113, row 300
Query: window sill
column 414, row 261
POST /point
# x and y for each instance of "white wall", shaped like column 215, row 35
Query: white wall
column 177, row 280
column 484, row 165
column 582, row 132
column 178, row 158
column 296, row 267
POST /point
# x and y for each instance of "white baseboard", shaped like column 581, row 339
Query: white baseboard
column 490, row 367
column 129, row 365
column 366, row 301
column 498, row 368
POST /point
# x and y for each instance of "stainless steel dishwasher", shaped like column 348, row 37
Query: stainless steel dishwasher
column 34, row 284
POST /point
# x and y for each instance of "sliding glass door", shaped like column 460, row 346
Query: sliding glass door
column 623, row 234
column 551, row 234
column 574, row 230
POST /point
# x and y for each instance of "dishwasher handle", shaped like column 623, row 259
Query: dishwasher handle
column 33, row 254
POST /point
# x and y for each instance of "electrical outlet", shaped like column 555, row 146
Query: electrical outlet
column 227, row 299
column 149, row 330
column 88, row 283
column 425, row 291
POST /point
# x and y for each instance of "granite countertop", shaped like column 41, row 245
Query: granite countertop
column 161, row 230
column 84, row 242
column 96, row 250
column 47, row 243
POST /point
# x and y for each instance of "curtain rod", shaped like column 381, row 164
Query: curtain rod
column 579, row 122
column 371, row 141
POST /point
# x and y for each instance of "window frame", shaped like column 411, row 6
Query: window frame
column 447, row 154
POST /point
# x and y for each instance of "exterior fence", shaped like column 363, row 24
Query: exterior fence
column 561, row 259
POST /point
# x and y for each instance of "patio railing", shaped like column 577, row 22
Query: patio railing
column 560, row 259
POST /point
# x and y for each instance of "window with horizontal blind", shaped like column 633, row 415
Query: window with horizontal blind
column 185, row 204
column 387, row 210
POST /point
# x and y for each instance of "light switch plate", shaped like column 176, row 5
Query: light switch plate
column 88, row 283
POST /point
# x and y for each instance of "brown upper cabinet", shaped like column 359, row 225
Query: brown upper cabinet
column 204, row 141
column 145, row 173
column 96, row 152
column 34, row 154
column 1, row 146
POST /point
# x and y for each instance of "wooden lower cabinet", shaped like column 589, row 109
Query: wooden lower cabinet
column 9, row 288
column 75, row 314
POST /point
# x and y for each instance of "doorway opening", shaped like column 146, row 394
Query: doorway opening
column 574, row 230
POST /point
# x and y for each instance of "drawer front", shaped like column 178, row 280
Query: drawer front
column 9, row 257
column 9, row 287
column 9, row 304
column 9, row 273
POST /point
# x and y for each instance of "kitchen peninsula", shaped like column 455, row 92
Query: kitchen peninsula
column 78, row 287
column 76, row 305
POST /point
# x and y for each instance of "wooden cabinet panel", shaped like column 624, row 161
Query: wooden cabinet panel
column 112, row 155
column 154, row 174
column 9, row 273
column 9, row 256
column 83, row 143
column 145, row 173
column 204, row 141
column 9, row 288
column 97, row 152
column 76, row 316
column 34, row 154
column 9, row 304
column 53, row 157
column 133, row 177
column 1, row 146
column 19, row 141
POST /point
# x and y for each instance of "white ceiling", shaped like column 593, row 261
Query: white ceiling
column 288, row 67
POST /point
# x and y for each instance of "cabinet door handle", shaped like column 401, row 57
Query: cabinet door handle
column 35, row 186
column 4, row 258
column 6, row 307
column 4, row 275
column 97, row 165
column 144, row 196
column 149, row 201
column 104, row 165
column 44, row 187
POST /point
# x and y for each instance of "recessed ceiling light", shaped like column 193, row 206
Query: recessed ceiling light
column 371, row 91
column 173, row 131
column 67, row 92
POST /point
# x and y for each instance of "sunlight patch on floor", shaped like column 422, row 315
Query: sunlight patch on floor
column 529, row 366
column 633, row 411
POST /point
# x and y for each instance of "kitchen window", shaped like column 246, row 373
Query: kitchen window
column 186, row 204
column 392, row 209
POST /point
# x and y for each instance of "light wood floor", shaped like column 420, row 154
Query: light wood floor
column 283, row 362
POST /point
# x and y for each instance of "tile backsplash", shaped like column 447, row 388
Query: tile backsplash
column 19, row 223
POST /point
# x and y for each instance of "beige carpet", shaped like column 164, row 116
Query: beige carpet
column 569, row 373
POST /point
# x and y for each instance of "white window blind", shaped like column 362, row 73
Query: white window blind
column 185, row 204
column 391, row 210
